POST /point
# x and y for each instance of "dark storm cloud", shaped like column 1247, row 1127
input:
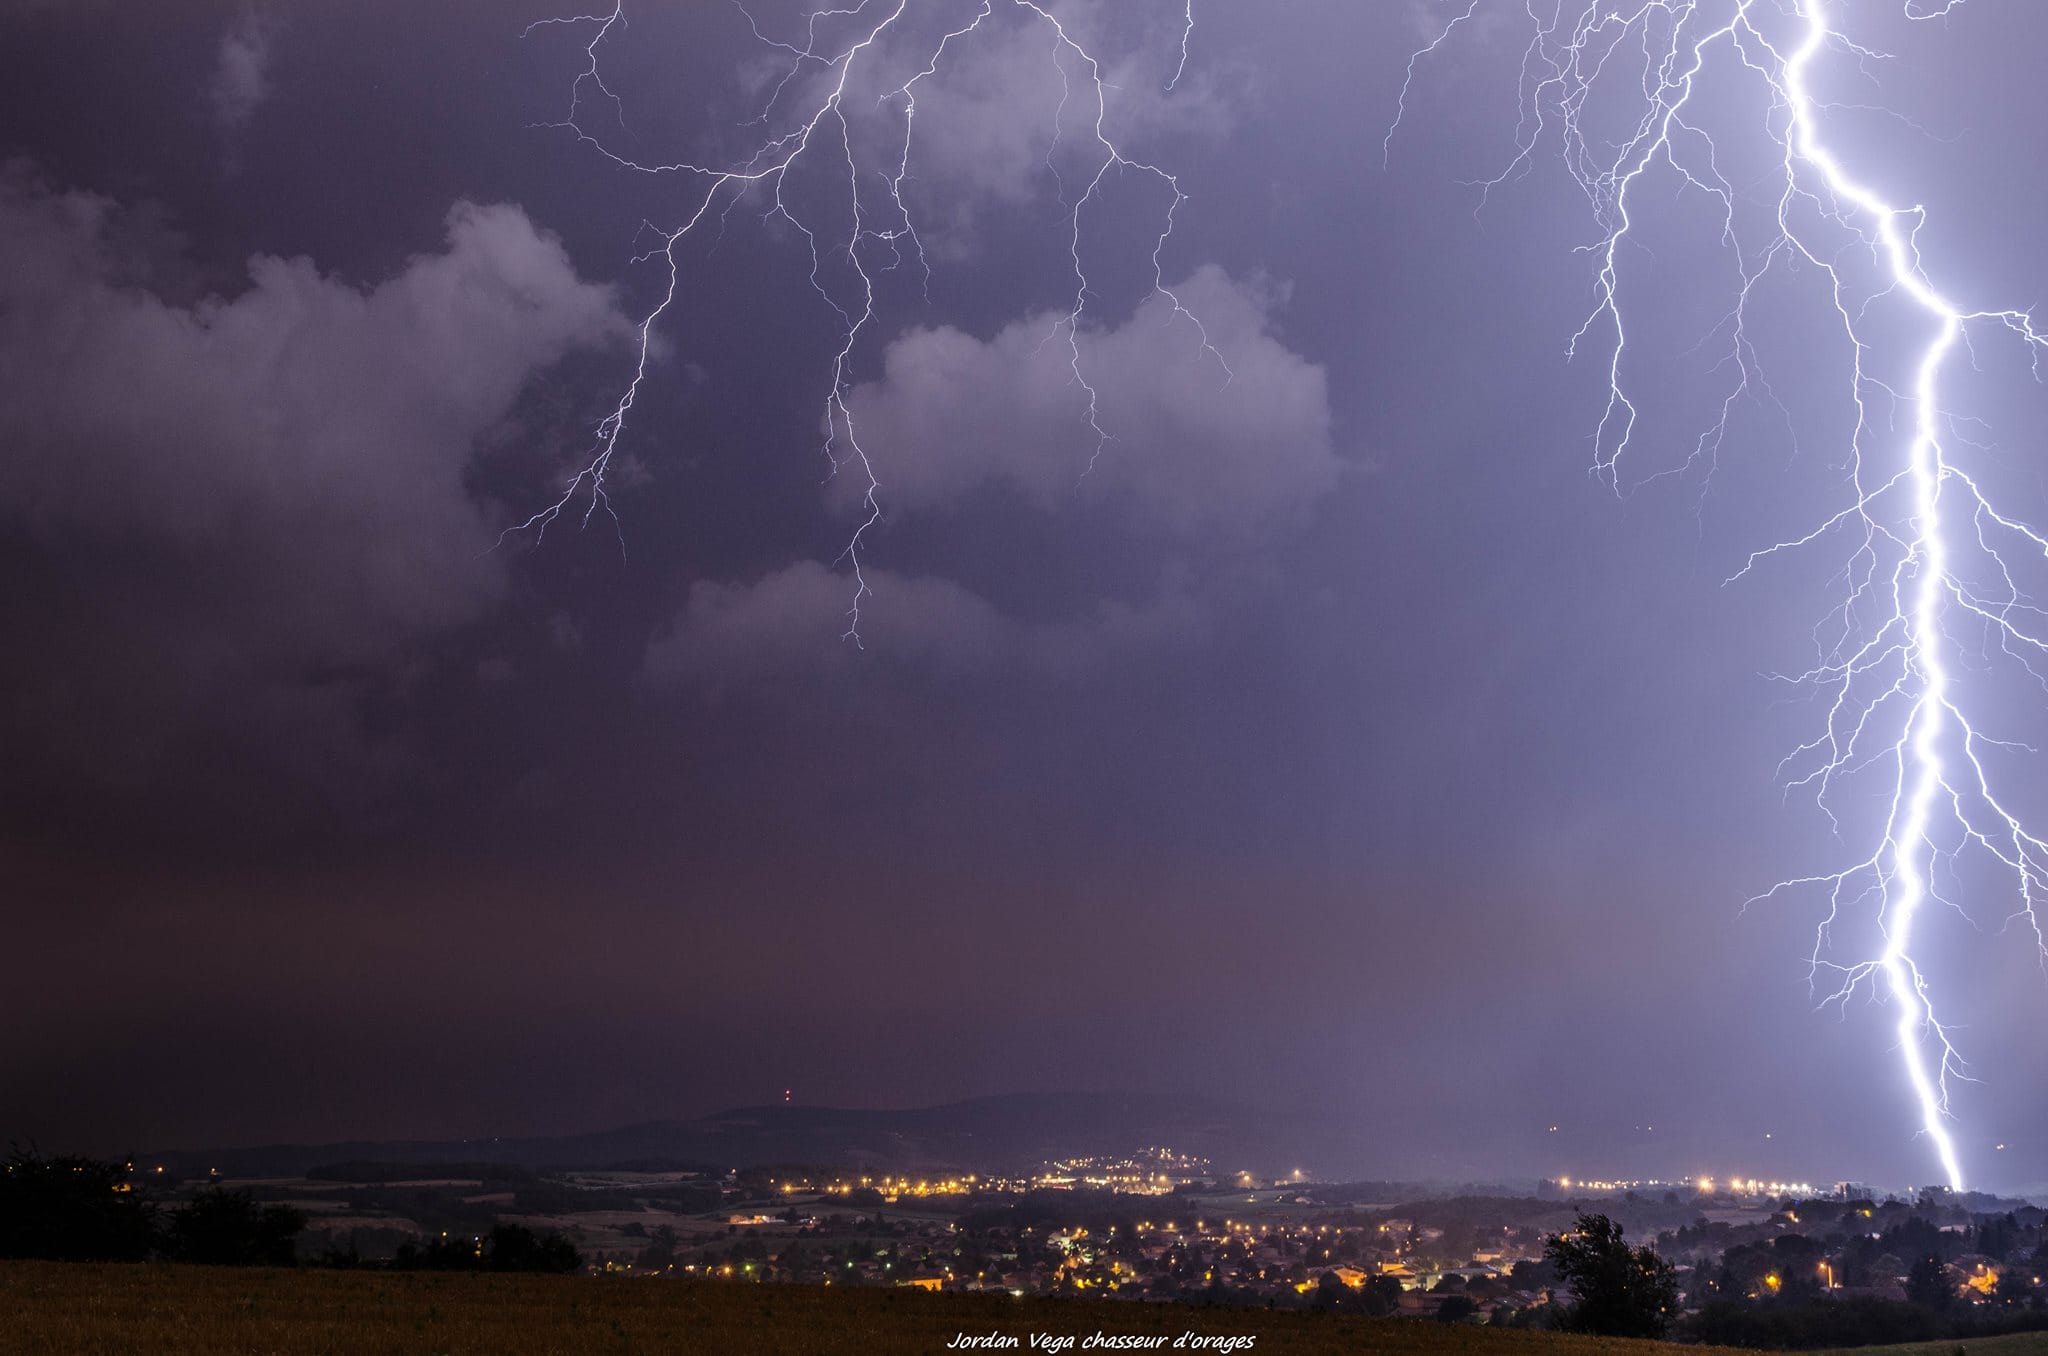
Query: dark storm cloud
column 234, row 506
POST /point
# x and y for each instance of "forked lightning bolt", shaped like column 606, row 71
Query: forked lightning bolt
column 1933, row 568
column 1928, row 555
column 841, row 55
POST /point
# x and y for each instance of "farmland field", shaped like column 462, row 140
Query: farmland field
column 57, row 1308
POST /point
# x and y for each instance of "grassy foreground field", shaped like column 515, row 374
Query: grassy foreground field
column 2018, row 1344
column 61, row 1309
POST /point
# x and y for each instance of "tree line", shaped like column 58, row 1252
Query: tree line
column 74, row 1209
column 1615, row 1290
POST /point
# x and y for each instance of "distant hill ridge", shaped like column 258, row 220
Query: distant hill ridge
column 983, row 1134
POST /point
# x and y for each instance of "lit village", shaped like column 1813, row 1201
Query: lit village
column 1162, row 1226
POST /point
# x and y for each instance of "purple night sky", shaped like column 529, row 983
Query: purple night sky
column 1337, row 744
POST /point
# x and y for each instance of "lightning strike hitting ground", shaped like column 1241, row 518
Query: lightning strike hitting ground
column 840, row 56
column 1929, row 581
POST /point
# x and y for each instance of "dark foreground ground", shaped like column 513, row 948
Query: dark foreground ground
column 59, row 1308
column 148, row 1308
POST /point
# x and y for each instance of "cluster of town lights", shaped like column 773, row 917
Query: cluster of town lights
column 1706, row 1185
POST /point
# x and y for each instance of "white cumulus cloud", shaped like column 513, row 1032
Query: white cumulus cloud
column 1193, row 451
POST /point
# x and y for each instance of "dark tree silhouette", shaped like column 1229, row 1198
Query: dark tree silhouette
column 1618, row 1291
column 1330, row 1293
column 71, row 1210
column 229, row 1229
column 1457, row 1309
column 514, row 1247
column 1927, row 1284
column 1380, row 1295
column 508, row 1247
